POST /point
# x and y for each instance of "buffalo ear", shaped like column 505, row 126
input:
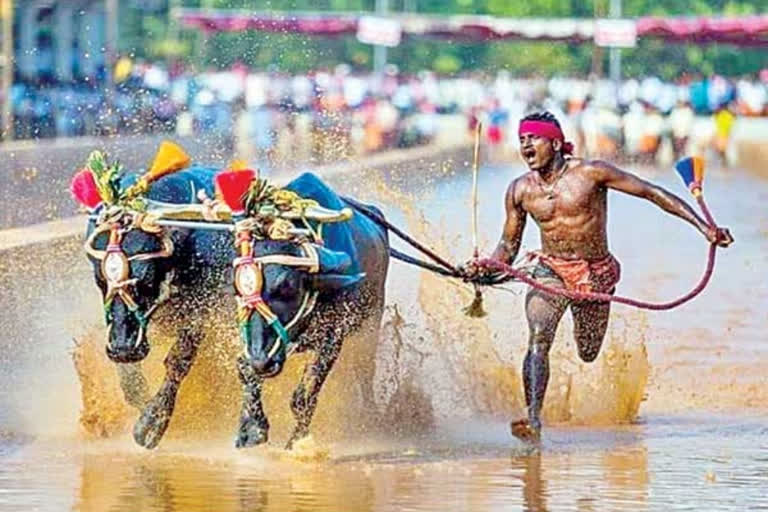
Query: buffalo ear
column 335, row 282
column 332, row 262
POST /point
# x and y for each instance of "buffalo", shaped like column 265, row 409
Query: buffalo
column 346, row 291
column 146, row 271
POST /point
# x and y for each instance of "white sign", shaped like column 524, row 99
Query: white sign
column 616, row 33
column 381, row 31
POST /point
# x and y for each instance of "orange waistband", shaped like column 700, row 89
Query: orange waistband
column 582, row 275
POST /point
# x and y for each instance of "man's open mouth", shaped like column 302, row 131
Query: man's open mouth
column 529, row 153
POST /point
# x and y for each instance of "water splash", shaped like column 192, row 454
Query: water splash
column 430, row 365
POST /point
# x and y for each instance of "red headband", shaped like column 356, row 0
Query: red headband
column 545, row 129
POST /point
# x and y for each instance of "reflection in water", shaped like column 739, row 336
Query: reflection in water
column 615, row 479
column 174, row 482
column 719, row 466
column 583, row 472
column 626, row 473
column 534, row 487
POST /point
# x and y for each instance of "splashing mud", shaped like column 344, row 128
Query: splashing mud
column 210, row 398
column 468, row 363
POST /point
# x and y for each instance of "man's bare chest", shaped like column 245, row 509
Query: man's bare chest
column 570, row 197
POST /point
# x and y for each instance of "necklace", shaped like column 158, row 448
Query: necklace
column 549, row 189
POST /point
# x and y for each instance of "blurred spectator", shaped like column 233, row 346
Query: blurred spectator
column 724, row 119
column 681, row 126
column 653, row 128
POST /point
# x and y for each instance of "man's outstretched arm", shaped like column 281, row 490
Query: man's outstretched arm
column 615, row 178
column 512, row 235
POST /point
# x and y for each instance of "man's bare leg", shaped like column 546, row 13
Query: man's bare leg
column 543, row 312
column 590, row 322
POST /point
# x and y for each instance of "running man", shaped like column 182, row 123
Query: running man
column 566, row 197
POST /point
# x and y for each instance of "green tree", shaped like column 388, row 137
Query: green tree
column 148, row 35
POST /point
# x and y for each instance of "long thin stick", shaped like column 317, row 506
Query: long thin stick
column 475, row 162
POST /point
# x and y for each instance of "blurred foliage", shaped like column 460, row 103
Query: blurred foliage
column 154, row 35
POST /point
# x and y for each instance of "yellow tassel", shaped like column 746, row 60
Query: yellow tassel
column 475, row 309
column 170, row 158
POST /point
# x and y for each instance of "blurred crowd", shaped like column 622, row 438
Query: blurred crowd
column 262, row 113
column 329, row 114
column 633, row 119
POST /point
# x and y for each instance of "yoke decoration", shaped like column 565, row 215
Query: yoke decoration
column 99, row 181
column 271, row 208
column 243, row 200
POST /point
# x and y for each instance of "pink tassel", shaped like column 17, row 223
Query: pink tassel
column 84, row 189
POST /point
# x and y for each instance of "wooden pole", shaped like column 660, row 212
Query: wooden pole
column 475, row 309
column 475, row 170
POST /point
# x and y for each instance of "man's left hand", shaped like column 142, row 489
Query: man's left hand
column 720, row 236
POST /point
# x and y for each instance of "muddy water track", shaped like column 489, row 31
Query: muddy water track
column 672, row 411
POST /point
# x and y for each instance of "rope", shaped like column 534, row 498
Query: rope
column 454, row 272
column 513, row 273
column 423, row 264
column 508, row 272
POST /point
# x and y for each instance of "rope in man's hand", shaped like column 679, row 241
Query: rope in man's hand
column 489, row 272
column 477, row 271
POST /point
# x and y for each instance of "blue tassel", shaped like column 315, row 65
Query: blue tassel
column 684, row 168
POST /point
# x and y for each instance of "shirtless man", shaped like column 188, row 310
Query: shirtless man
column 566, row 197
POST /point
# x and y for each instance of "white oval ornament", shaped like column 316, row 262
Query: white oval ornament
column 115, row 267
column 248, row 280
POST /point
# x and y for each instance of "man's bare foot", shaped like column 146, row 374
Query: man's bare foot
column 523, row 430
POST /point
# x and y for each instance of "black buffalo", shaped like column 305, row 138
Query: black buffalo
column 353, row 263
column 182, row 282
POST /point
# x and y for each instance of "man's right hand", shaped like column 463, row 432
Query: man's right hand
column 470, row 269
column 473, row 272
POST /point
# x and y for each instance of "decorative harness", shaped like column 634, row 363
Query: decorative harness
column 115, row 265
column 249, row 284
column 271, row 213
column 249, row 280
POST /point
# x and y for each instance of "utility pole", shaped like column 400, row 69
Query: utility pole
column 380, row 51
column 209, row 6
column 615, row 53
column 6, row 11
